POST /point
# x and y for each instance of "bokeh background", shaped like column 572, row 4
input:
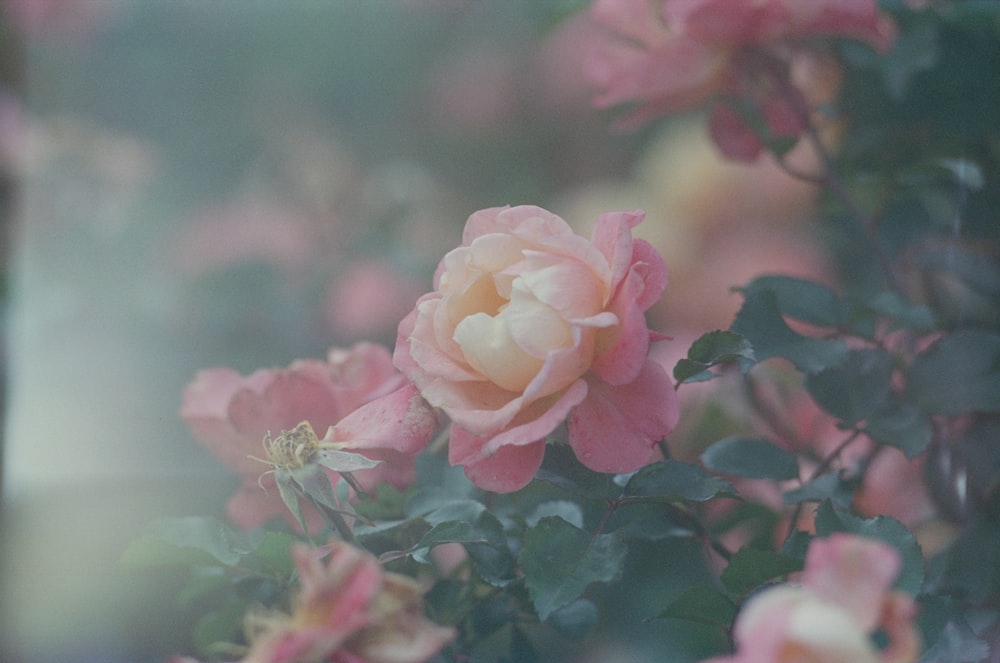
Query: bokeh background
column 191, row 183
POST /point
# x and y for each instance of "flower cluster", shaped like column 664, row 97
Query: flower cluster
column 670, row 55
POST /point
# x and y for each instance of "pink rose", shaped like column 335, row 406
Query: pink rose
column 531, row 323
column 348, row 610
column 356, row 399
column 669, row 55
column 843, row 598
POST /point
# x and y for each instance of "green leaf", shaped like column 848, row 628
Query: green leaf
column 676, row 481
column 287, row 491
column 750, row 567
column 703, row 604
column 344, row 461
column 901, row 426
column 884, row 528
column 829, row 486
column 188, row 540
column 218, row 627
column 561, row 468
column 760, row 321
column 712, row 349
column 960, row 373
column 560, row 561
column 575, row 620
column 806, row 301
column 484, row 529
column 854, row 389
column 273, row 553
column 751, row 457
column 915, row 316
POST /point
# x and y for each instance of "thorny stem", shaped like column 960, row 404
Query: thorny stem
column 821, row 469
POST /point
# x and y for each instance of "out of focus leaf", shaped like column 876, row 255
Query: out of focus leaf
column 800, row 299
column 750, row 567
column 901, row 426
column 760, row 321
column 188, row 540
column 675, row 481
column 575, row 619
column 960, row 373
column 221, row 626
column 560, row 561
column 829, row 486
column 702, row 604
column 751, row 457
column 856, row 388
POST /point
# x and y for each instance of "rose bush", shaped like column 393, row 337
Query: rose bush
column 356, row 399
column 671, row 55
column 529, row 324
column 843, row 598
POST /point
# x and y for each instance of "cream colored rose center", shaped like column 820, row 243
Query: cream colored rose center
column 517, row 306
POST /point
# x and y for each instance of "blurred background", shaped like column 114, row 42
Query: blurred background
column 192, row 183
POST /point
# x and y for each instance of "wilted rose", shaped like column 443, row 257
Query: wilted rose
column 356, row 400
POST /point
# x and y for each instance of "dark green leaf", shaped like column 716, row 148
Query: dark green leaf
column 905, row 313
column 902, row 426
column 561, row 468
column 702, row 604
column 856, row 388
column 829, row 486
column 884, row 528
column 799, row 299
column 712, row 349
column 484, row 529
column 559, row 562
column 760, row 321
column 675, row 481
column 960, row 373
column 576, row 619
column 752, row 457
column 751, row 567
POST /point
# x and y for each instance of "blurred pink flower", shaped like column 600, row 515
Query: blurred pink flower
column 530, row 324
column 843, row 598
column 356, row 397
column 348, row 610
column 670, row 55
column 369, row 298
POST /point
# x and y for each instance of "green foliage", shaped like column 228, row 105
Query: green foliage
column 702, row 604
column 760, row 321
column 560, row 561
column 750, row 567
column 752, row 457
column 960, row 373
column 674, row 481
column 713, row 349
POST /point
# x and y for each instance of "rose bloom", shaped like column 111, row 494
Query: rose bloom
column 356, row 398
column 670, row 55
column 843, row 598
column 529, row 324
column 349, row 610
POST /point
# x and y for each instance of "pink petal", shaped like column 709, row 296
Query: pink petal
column 852, row 571
column 400, row 421
column 616, row 427
column 621, row 351
column 732, row 136
column 510, row 468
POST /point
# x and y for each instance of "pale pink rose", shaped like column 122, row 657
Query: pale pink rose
column 668, row 55
column 843, row 598
column 356, row 399
column 531, row 323
column 348, row 610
